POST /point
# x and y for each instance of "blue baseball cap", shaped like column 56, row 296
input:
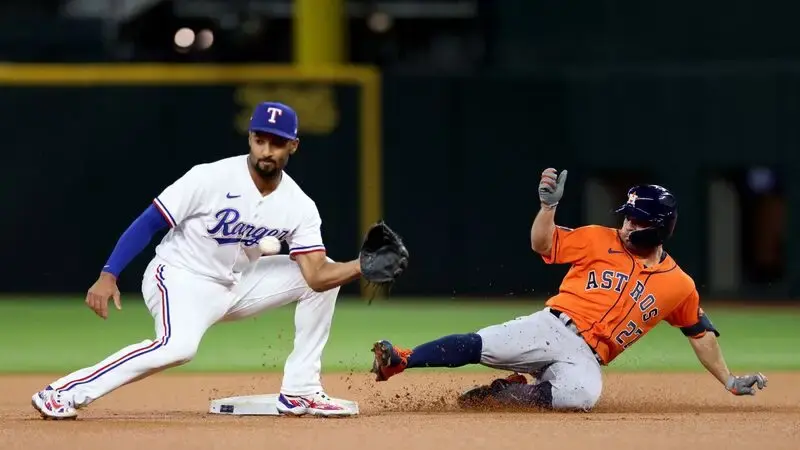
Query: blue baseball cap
column 274, row 118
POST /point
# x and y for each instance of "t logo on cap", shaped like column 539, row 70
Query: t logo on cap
column 274, row 118
column 272, row 111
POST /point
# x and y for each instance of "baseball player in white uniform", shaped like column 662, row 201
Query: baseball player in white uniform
column 208, row 268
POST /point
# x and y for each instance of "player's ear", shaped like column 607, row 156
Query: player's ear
column 293, row 147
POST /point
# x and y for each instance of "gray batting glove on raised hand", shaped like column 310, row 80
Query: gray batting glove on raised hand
column 551, row 187
column 743, row 385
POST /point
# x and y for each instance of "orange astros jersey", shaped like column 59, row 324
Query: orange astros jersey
column 611, row 296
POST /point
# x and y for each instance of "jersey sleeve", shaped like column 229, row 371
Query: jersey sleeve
column 182, row 198
column 570, row 245
column 690, row 318
column 307, row 238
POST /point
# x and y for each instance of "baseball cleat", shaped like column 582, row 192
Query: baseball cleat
column 52, row 405
column 292, row 405
column 476, row 397
column 389, row 360
column 318, row 404
column 517, row 378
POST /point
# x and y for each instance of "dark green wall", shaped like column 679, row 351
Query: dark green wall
column 81, row 163
column 462, row 159
column 486, row 139
column 533, row 34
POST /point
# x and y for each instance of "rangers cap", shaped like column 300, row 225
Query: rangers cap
column 275, row 118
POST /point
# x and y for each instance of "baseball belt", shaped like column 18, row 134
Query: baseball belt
column 567, row 321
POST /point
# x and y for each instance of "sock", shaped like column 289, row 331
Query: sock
column 455, row 350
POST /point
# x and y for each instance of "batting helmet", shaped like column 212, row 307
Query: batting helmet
column 654, row 205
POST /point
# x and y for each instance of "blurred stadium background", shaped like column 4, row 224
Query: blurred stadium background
column 437, row 115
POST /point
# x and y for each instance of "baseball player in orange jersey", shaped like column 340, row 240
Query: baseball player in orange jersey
column 620, row 285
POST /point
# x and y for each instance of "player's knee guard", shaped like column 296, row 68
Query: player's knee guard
column 582, row 398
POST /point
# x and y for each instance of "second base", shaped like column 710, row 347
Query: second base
column 258, row 405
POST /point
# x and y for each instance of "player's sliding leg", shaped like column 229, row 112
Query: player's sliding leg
column 275, row 281
column 183, row 307
column 567, row 372
column 455, row 350
column 569, row 375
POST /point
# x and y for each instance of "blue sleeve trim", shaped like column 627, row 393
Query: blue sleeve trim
column 165, row 212
column 308, row 248
column 135, row 239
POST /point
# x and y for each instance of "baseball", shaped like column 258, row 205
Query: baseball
column 269, row 245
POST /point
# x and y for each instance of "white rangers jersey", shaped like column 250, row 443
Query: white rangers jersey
column 217, row 216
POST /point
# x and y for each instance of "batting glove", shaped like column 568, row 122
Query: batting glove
column 743, row 385
column 551, row 187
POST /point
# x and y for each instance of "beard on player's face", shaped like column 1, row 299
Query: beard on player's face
column 625, row 230
column 629, row 226
column 269, row 154
column 266, row 167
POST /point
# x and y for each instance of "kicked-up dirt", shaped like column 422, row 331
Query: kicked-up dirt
column 414, row 410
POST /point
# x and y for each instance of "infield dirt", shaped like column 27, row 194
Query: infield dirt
column 415, row 410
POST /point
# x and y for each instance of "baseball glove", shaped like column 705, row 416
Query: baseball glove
column 383, row 256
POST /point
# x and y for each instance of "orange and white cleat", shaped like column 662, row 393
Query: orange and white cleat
column 389, row 360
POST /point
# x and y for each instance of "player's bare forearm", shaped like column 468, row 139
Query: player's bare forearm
column 322, row 275
column 542, row 230
column 709, row 354
column 334, row 274
column 551, row 188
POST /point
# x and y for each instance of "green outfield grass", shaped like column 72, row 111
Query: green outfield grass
column 61, row 334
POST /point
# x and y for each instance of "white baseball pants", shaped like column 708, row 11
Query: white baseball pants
column 184, row 306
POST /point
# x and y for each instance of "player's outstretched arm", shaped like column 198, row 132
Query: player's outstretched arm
column 130, row 244
column 322, row 275
column 551, row 188
column 709, row 353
